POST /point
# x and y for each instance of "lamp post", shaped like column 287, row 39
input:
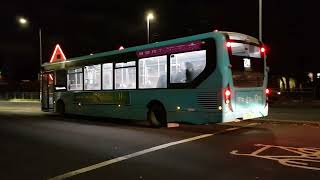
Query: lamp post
column 24, row 23
column 260, row 20
column 149, row 17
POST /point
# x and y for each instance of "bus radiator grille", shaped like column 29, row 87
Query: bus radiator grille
column 207, row 100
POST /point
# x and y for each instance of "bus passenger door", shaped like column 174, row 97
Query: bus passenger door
column 47, row 90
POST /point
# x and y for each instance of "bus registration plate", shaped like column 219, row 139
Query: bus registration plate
column 248, row 115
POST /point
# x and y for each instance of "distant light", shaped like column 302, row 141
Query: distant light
column 91, row 54
column 216, row 30
column 121, row 48
column 263, row 50
column 178, row 107
column 119, row 105
column 279, row 93
column 220, row 108
column 310, row 75
column 23, row 20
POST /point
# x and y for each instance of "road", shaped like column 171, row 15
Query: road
column 37, row 145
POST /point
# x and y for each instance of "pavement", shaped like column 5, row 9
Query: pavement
column 37, row 145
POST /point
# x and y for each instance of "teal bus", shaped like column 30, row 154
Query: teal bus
column 206, row 78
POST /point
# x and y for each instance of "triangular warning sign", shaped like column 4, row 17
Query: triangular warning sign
column 57, row 55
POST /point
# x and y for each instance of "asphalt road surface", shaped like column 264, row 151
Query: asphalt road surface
column 37, row 145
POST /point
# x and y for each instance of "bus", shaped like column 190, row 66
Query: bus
column 207, row 78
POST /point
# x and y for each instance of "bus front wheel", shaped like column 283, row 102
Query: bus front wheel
column 157, row 116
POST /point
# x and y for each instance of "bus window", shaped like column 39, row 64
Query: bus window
column 92, row 77
column 185, row 67
column 153, row 72
column 74, row 79
column 125, row 75
column 247, row 65
column 107, row 78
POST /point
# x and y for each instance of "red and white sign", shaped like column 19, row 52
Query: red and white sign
column 57, row 55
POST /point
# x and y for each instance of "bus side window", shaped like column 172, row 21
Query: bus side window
column 185, row 67
column 162, row 81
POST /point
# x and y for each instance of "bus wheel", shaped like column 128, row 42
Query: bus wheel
column 157, row 116
column 60, row 107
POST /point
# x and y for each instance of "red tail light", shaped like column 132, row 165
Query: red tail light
column 263, row 50
column 227, row 93
column 228, row 44
column 227, row 96
column 268, row 91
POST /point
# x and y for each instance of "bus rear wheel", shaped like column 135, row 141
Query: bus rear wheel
column 157, row 116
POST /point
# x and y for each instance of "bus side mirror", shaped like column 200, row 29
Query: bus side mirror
column 267, row 68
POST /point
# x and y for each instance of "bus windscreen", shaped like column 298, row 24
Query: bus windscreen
column 247, row 65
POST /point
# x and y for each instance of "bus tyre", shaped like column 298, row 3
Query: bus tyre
column 157, row 116
column 60, row 107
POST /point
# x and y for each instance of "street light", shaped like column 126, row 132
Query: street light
column 24, row 22
column 149, row 17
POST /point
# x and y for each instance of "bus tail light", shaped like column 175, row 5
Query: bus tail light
column 227, row 97
column 268, row 91
column 228, row 44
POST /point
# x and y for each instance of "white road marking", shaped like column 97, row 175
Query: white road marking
column 232, row 129
column 252, row 124
column 122, row 158
column 139, row 153
column 305, row 158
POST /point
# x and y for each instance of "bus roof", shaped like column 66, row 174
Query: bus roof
column 97, row 58
column 241, row 37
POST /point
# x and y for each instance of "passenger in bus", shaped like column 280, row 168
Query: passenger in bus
column 189, row 72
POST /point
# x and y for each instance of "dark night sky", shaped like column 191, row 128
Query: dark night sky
column 84, row 27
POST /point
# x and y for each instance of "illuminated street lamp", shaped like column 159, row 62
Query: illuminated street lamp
column 149, row 17
column 23, row 21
